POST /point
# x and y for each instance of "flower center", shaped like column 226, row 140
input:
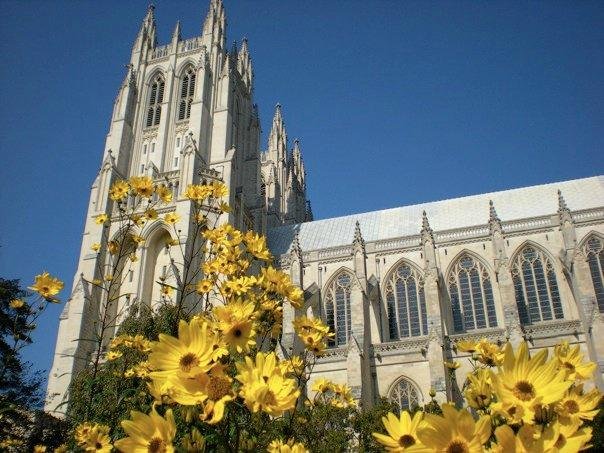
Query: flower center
column 188, row 361
column 157, row 445
column 218, row 387
column 524, row 391
column 458, row 446
column 269, row 398
column 237, row 333
column 571, row 406
column 406, row 440
column 569, row 366
column 98, row 445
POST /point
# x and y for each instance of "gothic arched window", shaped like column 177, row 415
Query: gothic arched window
column 156, row 97
column 337, row 308
column 405, row 394
column 406, row 303
column 594, row 249
column 471, row 295
column 187, row 89
column 536, row 287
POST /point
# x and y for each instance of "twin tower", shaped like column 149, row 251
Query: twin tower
column 184, row 114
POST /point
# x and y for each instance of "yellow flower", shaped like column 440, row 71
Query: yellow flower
column 137, row 239
column 171, row 218
column 113, row 247
column 16, row 303
column 576, row 406
column 488, row 353
column 133, row 258
column 452, row 365
column 61, row 449
column 455, row 431
column 166, row 290
column 152, row 433
column 466, row 346
column 142, row 185
column 236, row 323
column 256, row 245
column 322, row 385
column 204, row 286
column 565, row 438
column 119, row 190
column 95, row 247
column 151, row 214
column 219, row 189
column 164, row 193
column 264, row 388
column 342, row 396
column 198, row 193
column 188, row 355
column 402, row 431
column 112, row 355
column 224, row 207
column 101, row 219
column 278, row 446
column 93, row 437
column 39, row 448
column 525, row 383
column 212, row 389
column 571, row 361
column 525, row 441
column 47, row 286
column 479, row 391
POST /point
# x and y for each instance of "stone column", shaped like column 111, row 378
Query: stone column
column 290, row 342
column 435, row 353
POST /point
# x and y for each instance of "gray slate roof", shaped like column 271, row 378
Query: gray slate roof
column 514, row 204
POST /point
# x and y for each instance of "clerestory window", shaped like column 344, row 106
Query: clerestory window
column 406, row 303
column 337, row 309
column 594, row 250
column 471, row 293
column 536, row 287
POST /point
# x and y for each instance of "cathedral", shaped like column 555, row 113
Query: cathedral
column 399, row 287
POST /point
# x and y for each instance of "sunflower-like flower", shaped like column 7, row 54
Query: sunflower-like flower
column 219, row 189
column 151, row 214
column 95, row 247
column 322, row 385
column 152, row 433
column 452, row 365
column 565, row 438
column 47, row 286
column 113, row 355
column 95, row 439
column 256, row 245
column 466, row 346
column 16, row 303
column 342, row 396
column 577, row 406
column 263, row 386
column 455, row 431
column 523, row 384
column 119, row 190
column 402, row 431
column 142, row 185
column 204, row 286
column 488, row 353
column 164, row 193
column 101, row 219
column 188, row 355
column 278, row 446
column 236, row 323
column 198, row 192
column 570, row 359
column 171, row 218
column 479, row 391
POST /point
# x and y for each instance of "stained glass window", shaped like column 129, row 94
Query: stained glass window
column 337, row 308
column 405, row 394
column 406, row 303
column 594, row 249
column 471, row 293
column 536, row 287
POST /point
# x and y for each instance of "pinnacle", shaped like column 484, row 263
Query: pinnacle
column 561, row 202
column 492, row 213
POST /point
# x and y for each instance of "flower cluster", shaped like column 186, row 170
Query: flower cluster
column 522, row 403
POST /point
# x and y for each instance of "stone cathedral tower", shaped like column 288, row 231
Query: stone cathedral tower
column 184, row 114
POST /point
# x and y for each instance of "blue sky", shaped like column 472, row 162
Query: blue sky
column 394, row 102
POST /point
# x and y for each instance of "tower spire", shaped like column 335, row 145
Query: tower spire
column 563, row 210
column 176, row 36
column 494, row 220
column 277, row 140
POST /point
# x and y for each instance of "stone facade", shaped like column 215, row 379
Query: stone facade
column 399, row 286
